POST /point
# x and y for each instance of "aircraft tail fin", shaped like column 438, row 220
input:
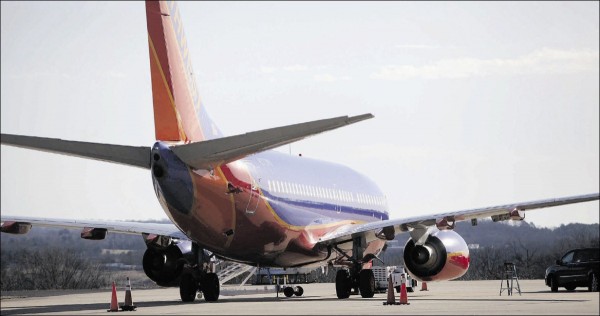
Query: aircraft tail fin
column 178, row 112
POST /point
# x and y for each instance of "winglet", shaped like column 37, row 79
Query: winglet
column 211, row 153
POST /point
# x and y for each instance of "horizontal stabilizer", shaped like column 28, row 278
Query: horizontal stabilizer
column 211, row 153
column 128, row 155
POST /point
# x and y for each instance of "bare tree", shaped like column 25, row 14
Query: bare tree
column 51, row 269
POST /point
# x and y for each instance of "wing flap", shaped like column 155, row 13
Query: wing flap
column 128, row 155
column 211, row 153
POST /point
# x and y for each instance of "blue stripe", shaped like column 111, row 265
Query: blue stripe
column 306, row 213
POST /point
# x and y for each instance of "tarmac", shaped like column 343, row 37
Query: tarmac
column 442, row 298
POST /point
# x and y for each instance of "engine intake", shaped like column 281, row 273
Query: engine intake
column 444, row 256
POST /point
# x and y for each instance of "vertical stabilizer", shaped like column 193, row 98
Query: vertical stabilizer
column 178, row 112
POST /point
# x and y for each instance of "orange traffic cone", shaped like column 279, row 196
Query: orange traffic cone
column 128, row 306
column 403, row 295
column 424, row 286
column 114, row 306
column 391, row 300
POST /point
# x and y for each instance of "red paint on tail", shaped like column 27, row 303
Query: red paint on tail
column 177, row 108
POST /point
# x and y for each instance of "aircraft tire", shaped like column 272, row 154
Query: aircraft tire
column 342, row 284
column 211, row 287
column 366, row 283
column 298, row 291
column 188, row 287
column 288, row 291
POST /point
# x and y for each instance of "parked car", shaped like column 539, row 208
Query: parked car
column 577, row 268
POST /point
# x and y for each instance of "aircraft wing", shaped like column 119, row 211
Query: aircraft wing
column 162, row 229
column 380, row 229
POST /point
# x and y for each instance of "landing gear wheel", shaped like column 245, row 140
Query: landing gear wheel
column 288, row 291
column 342, row 284
column 553, row 284
column 211, row 287
column 366, row 283
column 298, row 291
column 593, row 287
column 188, row 287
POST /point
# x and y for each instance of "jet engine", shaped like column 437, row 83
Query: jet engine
column 164, row 265
column 443, row 256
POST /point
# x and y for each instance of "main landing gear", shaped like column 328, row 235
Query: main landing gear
column 348, row 281
column 199, row 278
column 355, row 279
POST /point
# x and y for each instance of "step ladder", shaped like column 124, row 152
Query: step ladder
column 232, row 270
column 510, row 275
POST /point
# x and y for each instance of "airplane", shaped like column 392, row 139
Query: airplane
column 234, row 198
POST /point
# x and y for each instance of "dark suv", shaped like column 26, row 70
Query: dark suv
column 578, row 267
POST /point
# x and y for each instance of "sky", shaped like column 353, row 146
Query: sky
column 476, row 103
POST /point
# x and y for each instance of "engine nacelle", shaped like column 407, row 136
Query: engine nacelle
column 444, row 256
column 165, row 265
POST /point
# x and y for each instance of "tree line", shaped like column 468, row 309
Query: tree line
column 50, row 269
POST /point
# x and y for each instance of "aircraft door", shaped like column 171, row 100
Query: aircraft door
column 253, row 198
column 253, row 191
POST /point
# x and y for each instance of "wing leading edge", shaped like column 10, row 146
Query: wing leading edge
column 374, row 230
